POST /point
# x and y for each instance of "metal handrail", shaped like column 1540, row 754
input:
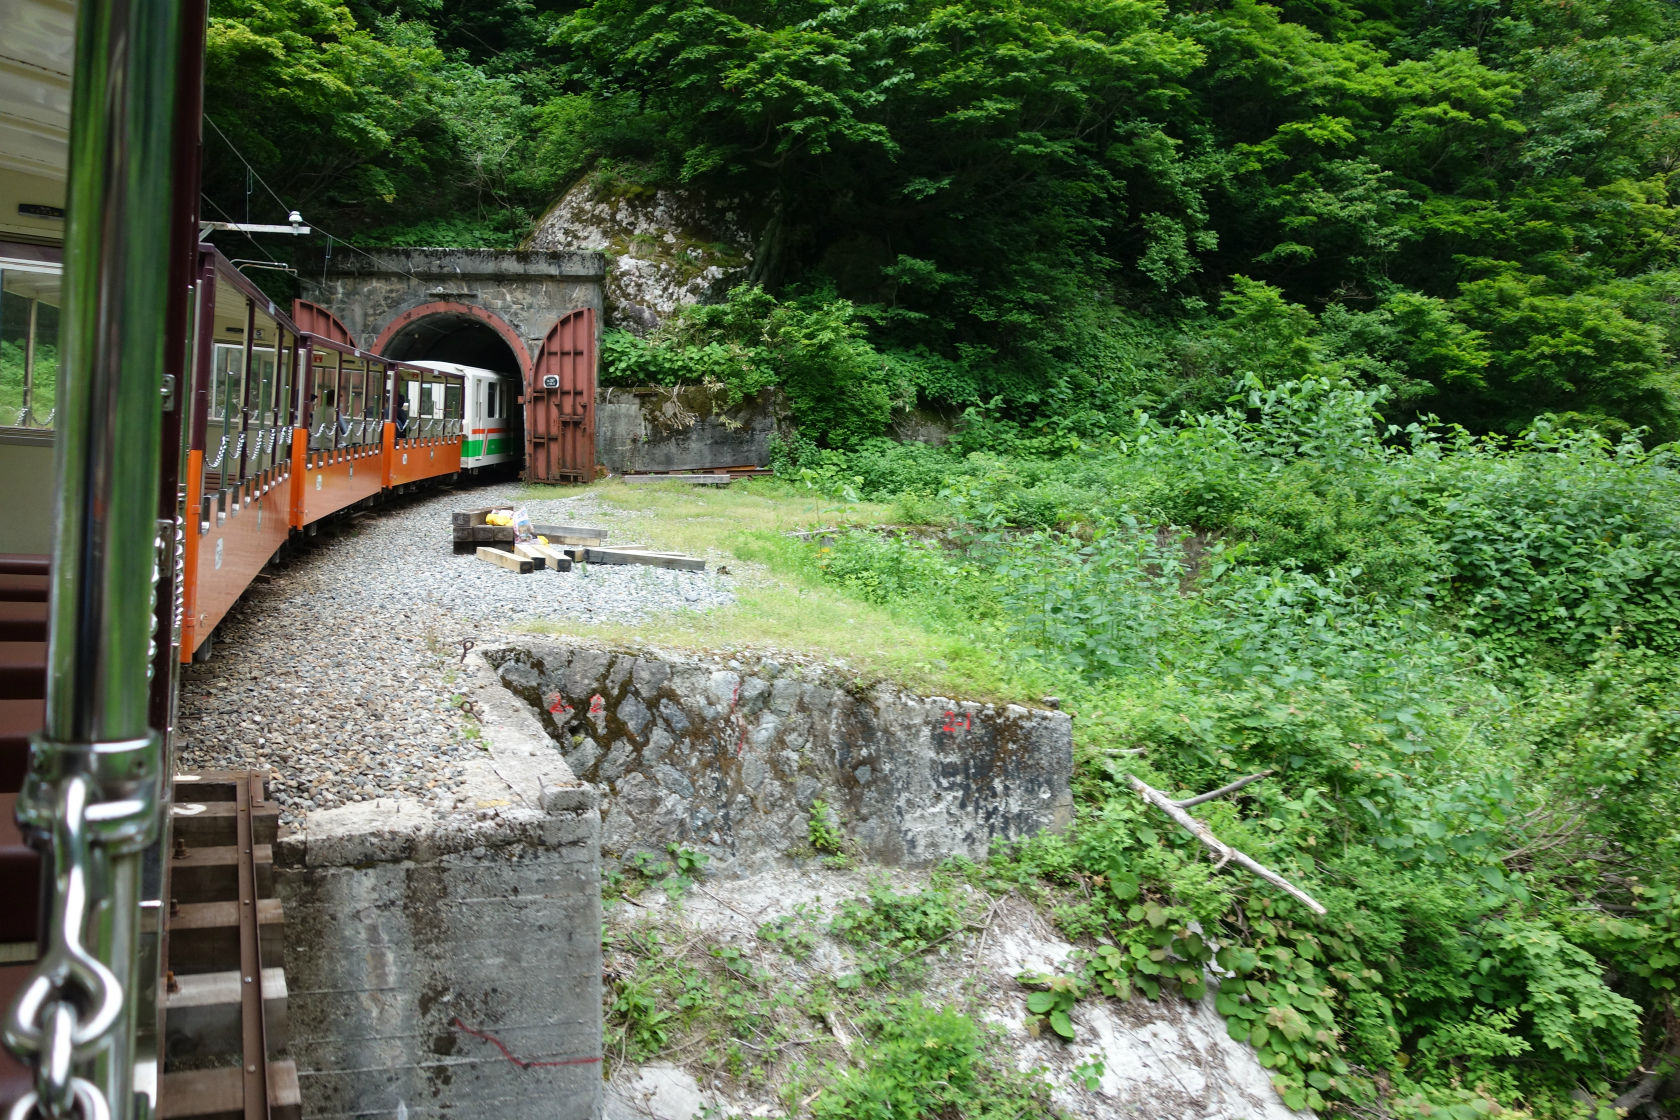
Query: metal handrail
column 96, row 769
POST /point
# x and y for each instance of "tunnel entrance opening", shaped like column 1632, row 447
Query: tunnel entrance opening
column 494, row 411
column 453, row 337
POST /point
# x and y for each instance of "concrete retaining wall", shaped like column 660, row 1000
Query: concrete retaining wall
column 729, row 757
column 684, row 428
column 406, row 931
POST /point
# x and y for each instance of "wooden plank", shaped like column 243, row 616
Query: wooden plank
column 642, row 548
column 696, row 479
column 586, row 534
column 220, row 1093
column 569, row 538
column 505, row 560
column 253, row 1030
column 538, row 559
column 204, row 936
column 203, row 1013
column 215, row 823
column 651, row 559
column 557, row 559
column 206, row 874
column 463, row 518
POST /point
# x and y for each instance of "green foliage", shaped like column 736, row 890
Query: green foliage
column 1045, row 215
column 902, row 925
column 794, row 934
column 822, row 831
column 1455, row 656
column 927, row 1062
column 814, row 348
column 14, row 334
column 685, row 868
column 1056, row 1002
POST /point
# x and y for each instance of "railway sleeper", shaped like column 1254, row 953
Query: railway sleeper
column 204, row 1016
column 219, row 1094
column 209, row 874
column 225, row 1025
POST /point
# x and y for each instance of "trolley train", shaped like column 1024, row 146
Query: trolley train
column 164, row 430
column 490, row 435
column 287, row 429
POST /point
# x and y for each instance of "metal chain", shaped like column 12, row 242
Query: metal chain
column 44, row 1025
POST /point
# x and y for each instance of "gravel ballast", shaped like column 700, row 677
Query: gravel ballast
column 336, row 671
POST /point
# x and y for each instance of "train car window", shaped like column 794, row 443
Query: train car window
column 222, row 424
column 355, row 374
column 452, row 396
column 230, row 363
column 284, row 392
column 405, row 398
column 28, row 347
column 264, row 369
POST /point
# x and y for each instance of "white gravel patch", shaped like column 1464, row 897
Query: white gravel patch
column 336, row 673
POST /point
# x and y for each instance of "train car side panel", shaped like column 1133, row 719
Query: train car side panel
column 241, row 539
column 336, row 479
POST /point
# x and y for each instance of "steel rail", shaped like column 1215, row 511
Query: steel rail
column 253, row 1026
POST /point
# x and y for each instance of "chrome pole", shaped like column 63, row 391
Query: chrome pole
column 95, row 770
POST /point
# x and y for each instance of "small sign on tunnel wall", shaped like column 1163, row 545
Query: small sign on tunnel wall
column 551, row 381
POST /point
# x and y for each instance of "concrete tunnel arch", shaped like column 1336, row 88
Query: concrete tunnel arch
column 446, row 331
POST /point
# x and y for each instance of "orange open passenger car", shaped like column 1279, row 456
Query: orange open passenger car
column 287, row 429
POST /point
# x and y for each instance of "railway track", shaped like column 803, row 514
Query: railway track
column 224, row 1008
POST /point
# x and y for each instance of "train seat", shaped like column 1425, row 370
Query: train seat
column 23, row 661
column 23, row 622
column 20, row 866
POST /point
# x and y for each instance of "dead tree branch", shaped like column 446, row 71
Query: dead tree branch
column 1226, row 853
column 1647, row 1088
column 1223, row 790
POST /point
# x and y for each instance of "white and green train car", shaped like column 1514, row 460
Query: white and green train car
column 490, row 427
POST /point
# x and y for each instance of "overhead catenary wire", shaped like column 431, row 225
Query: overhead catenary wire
column 251, row 173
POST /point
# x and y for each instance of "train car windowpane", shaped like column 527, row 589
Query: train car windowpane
column 265, row 369
column 285, row 392
column 28, row 347
column 221, row 429
column 353, row 379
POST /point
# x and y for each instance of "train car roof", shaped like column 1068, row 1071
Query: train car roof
column 36, row 55
column 455, row 367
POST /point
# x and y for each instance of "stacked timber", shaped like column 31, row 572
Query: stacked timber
column 555, row 547
column 471, row 528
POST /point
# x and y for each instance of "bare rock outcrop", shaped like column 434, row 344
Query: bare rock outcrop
column 665, row 248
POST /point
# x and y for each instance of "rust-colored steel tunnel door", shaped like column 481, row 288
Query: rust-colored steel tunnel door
column 312, row 318
column 560, row 403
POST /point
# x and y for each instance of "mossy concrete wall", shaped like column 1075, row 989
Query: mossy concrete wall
column 688, row 427
column 729, row 756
